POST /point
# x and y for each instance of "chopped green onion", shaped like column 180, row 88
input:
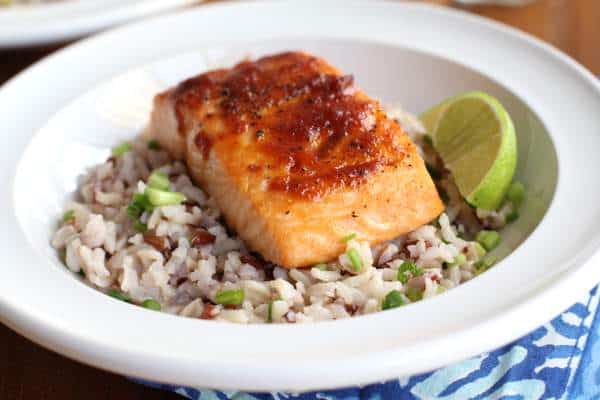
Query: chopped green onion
column 392, row 300
column 136, row 208
column 142, row 199
column 408, row 266
column 402, row 277
column 230, row 297
column 151, row 304
column 118, row 295
column 480, row 250
column 68, row 216
column 321, row 266
column 354, row 259
column 440, row 289
column 141, row 202
column 460, row 259
column 163, row 198
column 488, row 239
column 428, row 140
column 414, row 294
column 121, row 149
column 516, row 194
column 140, row 226
column 270, row 312
column 349, row 237
column 154, row 145
column 435, row 174
column 512, row 217
column 484, row 264
column 159, row 180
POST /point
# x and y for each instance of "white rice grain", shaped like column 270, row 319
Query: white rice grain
column 193, row 310
column 94, row 267
column 325, row 276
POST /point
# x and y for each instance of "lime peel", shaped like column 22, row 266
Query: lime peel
column 475, row 137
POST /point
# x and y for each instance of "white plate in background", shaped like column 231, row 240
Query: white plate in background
column 64, row 113
column 45, row 23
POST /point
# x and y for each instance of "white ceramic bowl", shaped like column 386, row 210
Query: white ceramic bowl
column 43, row 23
column 64, row 113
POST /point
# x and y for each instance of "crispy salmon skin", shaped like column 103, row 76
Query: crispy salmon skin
column 296, row 157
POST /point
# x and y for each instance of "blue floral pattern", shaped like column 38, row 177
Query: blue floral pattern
column 560, row 360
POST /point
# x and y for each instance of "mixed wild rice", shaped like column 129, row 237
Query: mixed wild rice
column 181, row 258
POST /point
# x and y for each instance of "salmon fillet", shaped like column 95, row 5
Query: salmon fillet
column 296, row 157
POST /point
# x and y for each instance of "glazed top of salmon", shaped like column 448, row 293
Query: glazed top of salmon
column 306, row 129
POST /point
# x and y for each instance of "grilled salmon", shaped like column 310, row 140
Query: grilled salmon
column 296, row 157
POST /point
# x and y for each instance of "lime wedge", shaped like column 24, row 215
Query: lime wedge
column 475, row 137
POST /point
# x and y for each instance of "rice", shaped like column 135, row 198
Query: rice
column 187, row 259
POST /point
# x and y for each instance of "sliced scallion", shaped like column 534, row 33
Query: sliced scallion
column 458, row 260
column 516, row 194
column 163, row 198
column 354, row 259
column 349, row 237
column 321, row 266
column 151, row 304
column 140, row 226
column 121, row 149
column 139, row 203
column 134, row 210
column 230, row 297
column 68, row 216
column 159, row 180
column 408, row 267
column 392, row 300
column 484, row 264
column 143, row 201
column 118, row 295
column 488, row 239
column 480, row 250
column 270, row 312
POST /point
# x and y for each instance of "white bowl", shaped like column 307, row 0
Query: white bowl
column 44, row 23
column 64, row 113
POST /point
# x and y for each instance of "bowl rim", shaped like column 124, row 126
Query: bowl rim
column 355, row 364
column 41, row 24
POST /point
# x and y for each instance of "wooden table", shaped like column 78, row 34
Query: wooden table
column 29, row 372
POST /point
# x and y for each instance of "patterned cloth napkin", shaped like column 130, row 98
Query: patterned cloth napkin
column 559, row 360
